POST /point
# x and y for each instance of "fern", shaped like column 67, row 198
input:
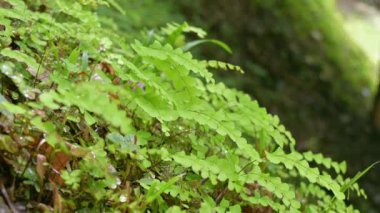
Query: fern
column 138, row 125
column 224, row 66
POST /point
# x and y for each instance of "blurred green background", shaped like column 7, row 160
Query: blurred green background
column 314, row 63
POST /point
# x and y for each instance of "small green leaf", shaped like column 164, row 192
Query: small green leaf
column 74, row 55
column 235, row 209
column 154, row 192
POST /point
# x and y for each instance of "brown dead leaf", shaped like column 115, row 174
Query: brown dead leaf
column 58, row 160
column 107, row 68
column 77, row 151
column 58, row 163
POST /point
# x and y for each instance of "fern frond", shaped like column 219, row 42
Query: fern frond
column 224, row 66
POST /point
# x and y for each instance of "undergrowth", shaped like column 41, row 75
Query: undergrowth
column 92, row 121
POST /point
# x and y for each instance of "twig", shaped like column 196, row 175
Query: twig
column 221, row 194
column 6, row 198
column 39, row 66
